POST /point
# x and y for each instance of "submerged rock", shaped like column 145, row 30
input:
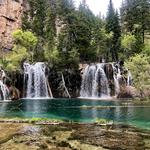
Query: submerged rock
column 71, row 136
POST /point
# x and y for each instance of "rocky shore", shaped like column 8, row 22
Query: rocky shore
column 72, row 136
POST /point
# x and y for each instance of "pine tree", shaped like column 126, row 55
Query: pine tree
column 49, row 26
column 37, row 14
column 85, row 27
column 113, row 25
column 67, row 17
column 135, row 17
column 40, row 19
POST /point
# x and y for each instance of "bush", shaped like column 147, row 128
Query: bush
column 23, row 49
column 139, row 66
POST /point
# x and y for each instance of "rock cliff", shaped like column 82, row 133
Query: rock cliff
column 10, row 20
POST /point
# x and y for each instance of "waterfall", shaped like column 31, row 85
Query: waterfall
column 95, row 82
column 117, row 76
column 103, row 80
column 117, row 86
column 88, row 80
column 36, row 81
column 4, row 91
column 129, row 79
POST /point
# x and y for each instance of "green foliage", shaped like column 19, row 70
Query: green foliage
column 52, row 55
column 73, row 57
column 25, row 39
column 67, row 35
column 139, row 65
column 37, row 14
column 31, row 120
column 135, row 16
column 58, row 26
column 128, row 44
column 49, row 28
column 23, row 48
column 84, row 32
column 102, row 121
column 146, row 49
column 14, row 59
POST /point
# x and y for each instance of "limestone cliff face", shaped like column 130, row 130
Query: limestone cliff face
column 10, row 20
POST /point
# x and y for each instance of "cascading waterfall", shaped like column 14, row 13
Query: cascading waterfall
column 4, row 91
column 88, row 80
column 95, row 82
column 100, row 87
column 35, row 80
column 104, row 80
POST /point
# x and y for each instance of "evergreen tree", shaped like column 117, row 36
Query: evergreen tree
column 113, row 25
column 85, row 29
column 99, row 39
column 50, row 27
column 67, row 18
column 135, row 17
column 37, row 16
column 40, row 19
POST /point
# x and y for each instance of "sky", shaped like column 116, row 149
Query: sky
column 100, row 5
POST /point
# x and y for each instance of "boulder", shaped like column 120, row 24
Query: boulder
column 14, row 93
column 128, row 92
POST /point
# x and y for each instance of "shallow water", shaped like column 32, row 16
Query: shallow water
column 80, row 110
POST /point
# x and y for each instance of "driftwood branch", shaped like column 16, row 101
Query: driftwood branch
column 63, row 82
column 49, row 88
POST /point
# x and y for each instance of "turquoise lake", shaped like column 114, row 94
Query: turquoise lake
column 79, row 110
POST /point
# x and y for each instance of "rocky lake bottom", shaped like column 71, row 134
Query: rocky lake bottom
column 72, row 136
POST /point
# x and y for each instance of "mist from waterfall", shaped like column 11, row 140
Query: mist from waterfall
column 36, row 83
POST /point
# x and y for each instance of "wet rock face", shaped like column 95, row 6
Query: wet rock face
column 10, row 20
column 108, row 68
column 72, row 81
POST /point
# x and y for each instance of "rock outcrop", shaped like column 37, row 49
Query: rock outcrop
column 10, row 19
